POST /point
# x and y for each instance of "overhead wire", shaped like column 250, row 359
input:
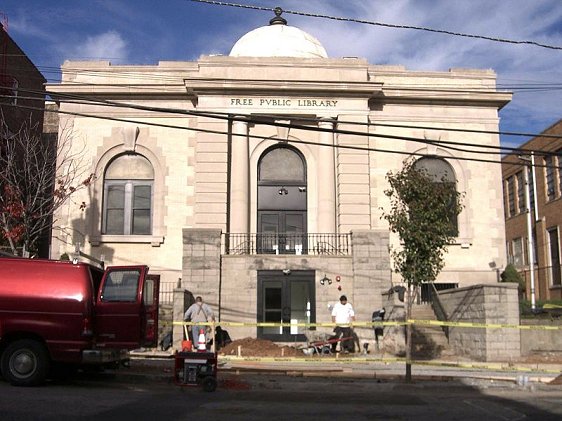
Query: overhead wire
column 254, row 136
column 452, row 145
column 382, row 24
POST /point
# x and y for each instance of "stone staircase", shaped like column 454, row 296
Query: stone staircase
column 429, row 341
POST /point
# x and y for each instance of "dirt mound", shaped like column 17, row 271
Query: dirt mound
column 251, row 347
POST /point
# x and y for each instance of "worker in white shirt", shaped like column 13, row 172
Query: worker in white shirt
column 343, row 315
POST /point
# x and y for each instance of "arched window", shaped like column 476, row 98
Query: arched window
column 282, row 164
column 282, row 203
column 127, row 197
column 440, row 171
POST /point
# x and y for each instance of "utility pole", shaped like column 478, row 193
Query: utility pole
column 530, row 241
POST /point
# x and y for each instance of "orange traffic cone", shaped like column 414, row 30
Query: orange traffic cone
column 202, row 342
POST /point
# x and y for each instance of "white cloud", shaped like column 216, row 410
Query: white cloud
column 109, row 45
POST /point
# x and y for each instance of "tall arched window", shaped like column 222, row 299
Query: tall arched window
column 440, row 171
column 282, row 210
column 127, row 197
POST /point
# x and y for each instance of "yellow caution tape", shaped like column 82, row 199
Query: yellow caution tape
column 364, row 360
column 372, row 324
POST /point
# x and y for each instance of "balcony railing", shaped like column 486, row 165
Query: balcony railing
column 287, row 243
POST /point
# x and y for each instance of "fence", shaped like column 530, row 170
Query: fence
column 287, row 243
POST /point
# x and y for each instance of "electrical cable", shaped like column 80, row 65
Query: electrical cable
column 260, row 120
column 386, row 25
column 253, row 136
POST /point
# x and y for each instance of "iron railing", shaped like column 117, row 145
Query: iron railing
column 287, row 243
column 438, row 307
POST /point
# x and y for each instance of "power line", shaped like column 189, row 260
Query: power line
column 387, row 25
column 254, row 136
column 73, row 98
column 527, row 86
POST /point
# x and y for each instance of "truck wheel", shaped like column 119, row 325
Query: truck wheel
column 25, row 363
column 209, row 384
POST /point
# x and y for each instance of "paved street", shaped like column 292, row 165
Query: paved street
column 110, row 396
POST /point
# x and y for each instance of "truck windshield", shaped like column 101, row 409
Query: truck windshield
column 121, row 285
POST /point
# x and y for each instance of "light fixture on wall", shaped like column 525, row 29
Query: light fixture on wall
column 283, row 191
column 325, row 280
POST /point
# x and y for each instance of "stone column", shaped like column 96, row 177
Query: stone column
column 326, row 179
column 240, row 179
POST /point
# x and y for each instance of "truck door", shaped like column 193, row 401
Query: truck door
column 149, row 321
column 120, row 317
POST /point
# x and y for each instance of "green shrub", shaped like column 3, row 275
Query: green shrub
column 510, row 274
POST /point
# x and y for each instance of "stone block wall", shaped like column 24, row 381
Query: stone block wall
column 486, row 304
column 229, row 284
column 540, row 340
column 371, row 276
column 240, row 283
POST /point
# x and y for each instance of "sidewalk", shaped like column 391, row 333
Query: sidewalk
column 159, row 366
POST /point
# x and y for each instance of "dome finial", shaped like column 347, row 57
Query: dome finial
column 278, row 20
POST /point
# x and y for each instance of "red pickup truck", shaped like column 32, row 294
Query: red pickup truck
column 56, row 315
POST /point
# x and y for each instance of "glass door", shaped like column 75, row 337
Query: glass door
column 281, row 232
column 285, row 298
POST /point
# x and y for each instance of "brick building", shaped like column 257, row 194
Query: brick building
column 22, row 98
column 546, row 210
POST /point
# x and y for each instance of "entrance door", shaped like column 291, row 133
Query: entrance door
column 285, row 298
column 282, row 232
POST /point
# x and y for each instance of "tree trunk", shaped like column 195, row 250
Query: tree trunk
column 408, row 336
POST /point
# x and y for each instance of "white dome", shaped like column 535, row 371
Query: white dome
column 278, row 41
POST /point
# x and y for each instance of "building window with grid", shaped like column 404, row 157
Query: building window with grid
column 559, row 157
column 517, row 250
column 555, row 268
column 521, row 192
column 440, row 171
column 550, row 172
column 127, row 198
column 511, row 195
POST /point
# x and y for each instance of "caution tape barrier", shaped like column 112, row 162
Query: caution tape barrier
column 370, row 324
column 365, row 360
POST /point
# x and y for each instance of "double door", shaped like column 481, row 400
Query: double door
column 282, row 232
column 285, row 297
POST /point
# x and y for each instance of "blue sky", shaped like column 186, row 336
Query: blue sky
column 146, row 31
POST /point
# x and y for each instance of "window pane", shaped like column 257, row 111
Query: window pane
column 121, row 286
column 521, row 191
column 555, row 272
column 141, row 199
column 437, row 169
column 130, row 166
column 281, row 164
column 115, row 221
column 511, row 195
column 549, row 162
column 116, row 197
column 141, row 221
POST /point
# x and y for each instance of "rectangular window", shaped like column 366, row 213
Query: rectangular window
column 517, row 249
column 559, row 152
column 531, row 191
column 521, row 192
column 550, row 171
column 511, row 195
column 128, row 208
column 115, row 209
column 554, row 245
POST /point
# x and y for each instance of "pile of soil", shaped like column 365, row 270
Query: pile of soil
column 251, row 347
column 542, row 358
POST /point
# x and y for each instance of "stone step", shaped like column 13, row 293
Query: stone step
column 428, row 341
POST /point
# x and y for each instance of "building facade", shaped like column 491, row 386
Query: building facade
column 22, row 98
column 258, row 178
column 545, row 195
